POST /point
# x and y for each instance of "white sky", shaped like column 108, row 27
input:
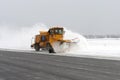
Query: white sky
column 83, row 16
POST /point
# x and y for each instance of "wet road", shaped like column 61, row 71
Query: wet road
column 27, row 66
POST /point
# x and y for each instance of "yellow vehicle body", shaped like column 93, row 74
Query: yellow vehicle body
column 46, row 39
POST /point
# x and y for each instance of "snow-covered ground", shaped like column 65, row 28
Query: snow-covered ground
column 96, row 48
column 100, row 47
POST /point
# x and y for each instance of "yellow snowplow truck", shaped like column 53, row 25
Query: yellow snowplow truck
column 46, row 39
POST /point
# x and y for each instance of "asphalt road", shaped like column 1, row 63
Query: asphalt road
column 28, row 66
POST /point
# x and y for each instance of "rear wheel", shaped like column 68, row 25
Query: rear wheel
column 49, row 48
column 37, row 47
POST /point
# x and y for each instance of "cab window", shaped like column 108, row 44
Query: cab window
column 60, row 31
column 51, row 31
column 43, row 38
column 56, row 31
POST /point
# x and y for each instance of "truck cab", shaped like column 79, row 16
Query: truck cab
column 56, row 33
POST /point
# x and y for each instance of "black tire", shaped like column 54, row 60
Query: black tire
column 37, row 47
column 49, row 48
column 51, row 51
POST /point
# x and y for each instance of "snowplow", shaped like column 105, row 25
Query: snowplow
column 51, row 40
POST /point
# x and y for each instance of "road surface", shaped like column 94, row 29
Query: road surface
column 28, row 66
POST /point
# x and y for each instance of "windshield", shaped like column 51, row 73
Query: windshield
column 59, row 31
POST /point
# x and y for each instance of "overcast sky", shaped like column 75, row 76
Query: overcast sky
column 83, row 16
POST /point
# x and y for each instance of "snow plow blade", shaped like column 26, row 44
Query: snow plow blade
column 64, row 46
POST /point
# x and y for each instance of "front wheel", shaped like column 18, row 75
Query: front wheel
column 51, row 51
column 49, row 48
